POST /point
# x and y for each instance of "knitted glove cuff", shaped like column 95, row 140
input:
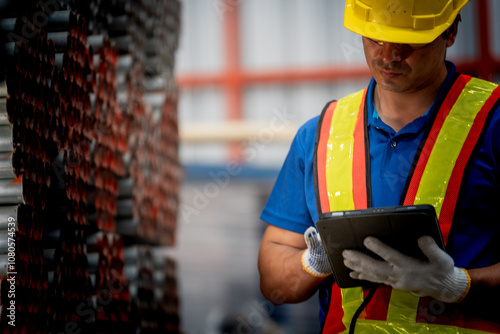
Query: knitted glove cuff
column 310, row 264
column 456, row 286
column 467, row 288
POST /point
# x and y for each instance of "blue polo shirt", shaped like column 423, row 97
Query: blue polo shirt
column 475, row 233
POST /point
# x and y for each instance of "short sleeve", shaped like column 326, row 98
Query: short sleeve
column 292, row 204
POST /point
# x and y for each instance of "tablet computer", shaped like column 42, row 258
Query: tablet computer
column 399, row 227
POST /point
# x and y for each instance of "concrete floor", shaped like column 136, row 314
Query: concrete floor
column 218, row 237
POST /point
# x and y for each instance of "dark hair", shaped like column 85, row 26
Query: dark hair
column 452, row 27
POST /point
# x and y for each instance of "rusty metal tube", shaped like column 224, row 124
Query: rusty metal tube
column 61, row 40
column 4, row 116
column 4, row 262
column 124, row 207
column 7, row 169
column 8, row 49
column 93, row 262
column 125, row 187
column 7, row 214
column 4, row 242
column 6, row 138
column 7, row 24
column 58, row 21
column 3, row 88
column 11, row 191
column 127, row 226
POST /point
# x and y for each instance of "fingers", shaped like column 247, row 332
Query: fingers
column 311, row 237
column 387, row 253
column 432, row 251
column 366, row 268
column 371, row 277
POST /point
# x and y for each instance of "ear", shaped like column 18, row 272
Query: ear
column 452, row 31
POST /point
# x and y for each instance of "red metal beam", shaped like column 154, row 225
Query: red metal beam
column 486, row 62
column 232, row 77
column 324, row 74
column 328, row 74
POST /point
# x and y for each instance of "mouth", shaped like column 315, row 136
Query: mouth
column 389, row 74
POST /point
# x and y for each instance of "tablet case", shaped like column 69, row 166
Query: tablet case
column 399, row 227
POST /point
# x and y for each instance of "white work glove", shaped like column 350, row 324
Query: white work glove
column 314, row 259
column 438, row 277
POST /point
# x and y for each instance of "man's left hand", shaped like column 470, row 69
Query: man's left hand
column 438, row 277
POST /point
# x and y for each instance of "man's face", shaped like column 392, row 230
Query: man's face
column 404, row 68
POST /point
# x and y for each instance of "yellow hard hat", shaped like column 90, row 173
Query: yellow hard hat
column 401, row 21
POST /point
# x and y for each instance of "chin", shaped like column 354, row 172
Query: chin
column 390, row 85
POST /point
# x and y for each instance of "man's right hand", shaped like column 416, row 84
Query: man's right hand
column 314, row 259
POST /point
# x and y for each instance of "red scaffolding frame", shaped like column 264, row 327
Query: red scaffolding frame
column 233, row 78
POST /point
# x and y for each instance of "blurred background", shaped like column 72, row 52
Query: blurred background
column 140, row 140
column 250, row 73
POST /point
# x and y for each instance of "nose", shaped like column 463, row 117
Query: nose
column 390, row 52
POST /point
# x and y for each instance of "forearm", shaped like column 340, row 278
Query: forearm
column 485, row 284
column 484, row 278
column 484, row 293
column 282, row 277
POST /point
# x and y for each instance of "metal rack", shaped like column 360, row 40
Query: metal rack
column 88, row 166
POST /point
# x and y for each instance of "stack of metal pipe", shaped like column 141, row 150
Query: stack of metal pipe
column 148, row 195
column 139, row 271
column 110, row 287
column 77, row 81
column 161, row 98
column 28, row 107
column 151, row 96
column 88, row 163
column 166, row 292
column 106, row 115
column 66, row 264
column 153, row 289
column 129, row 33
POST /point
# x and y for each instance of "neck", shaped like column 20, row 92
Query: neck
column 398, row 109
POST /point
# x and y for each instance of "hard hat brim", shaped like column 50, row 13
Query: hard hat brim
column 382, row 32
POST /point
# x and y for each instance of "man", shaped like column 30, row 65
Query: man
column 420, row 133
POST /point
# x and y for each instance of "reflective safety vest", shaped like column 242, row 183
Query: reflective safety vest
column 342, row 179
